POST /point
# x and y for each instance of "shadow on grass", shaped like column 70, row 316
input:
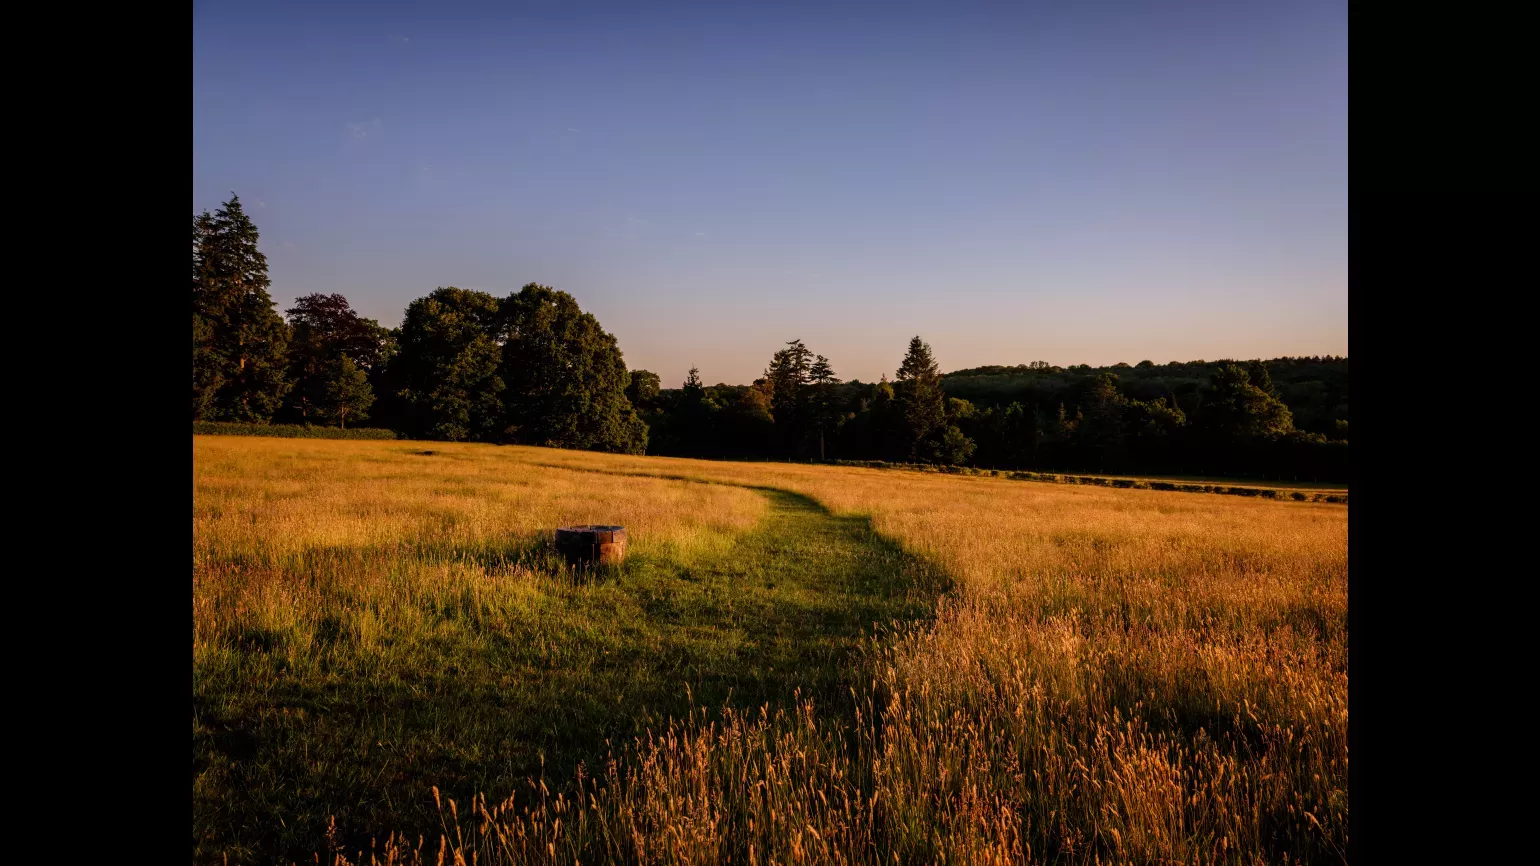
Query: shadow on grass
column 479, row 700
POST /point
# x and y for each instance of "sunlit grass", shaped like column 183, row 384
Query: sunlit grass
column 1116, row 675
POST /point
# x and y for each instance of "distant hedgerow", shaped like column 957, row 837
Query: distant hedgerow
column 289, row 431
column 1099, row 481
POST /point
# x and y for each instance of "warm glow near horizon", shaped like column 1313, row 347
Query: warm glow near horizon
column 1090, row 184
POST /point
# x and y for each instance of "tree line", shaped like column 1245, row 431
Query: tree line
column 530, row 368
column 533, row 368
column 1202, row 418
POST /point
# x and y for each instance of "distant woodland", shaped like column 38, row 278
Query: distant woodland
column 533, row 368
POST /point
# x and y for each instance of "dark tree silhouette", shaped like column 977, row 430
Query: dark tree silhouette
column 824, row 411
column 325, row 330
column 1235, row 408
column 445, row 371
column 1101, row 433
column 347, row 393
column 643, row 388
column 239, row 340
column 789, row 374
column 565, row 376
column 920, row 400
column 927, row 437
column 534, row 368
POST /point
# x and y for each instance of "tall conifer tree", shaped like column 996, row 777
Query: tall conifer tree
column 789, row 374
column 920, row 400
column 822, row 380
column 240, row 341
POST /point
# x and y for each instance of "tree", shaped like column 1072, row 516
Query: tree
column 240, row 340
column 1023, row 434
column 693, row 389
column 822, row 379
column 347, row 392
column 207, row 376
column 1059, row 435
column 693, row 427
column 208, row 365
column 747, row 425
column 1234, row 408
column 565, row 376
column 643, row 388
column 789, row 374
column 1101, row 430
column 1256, row 373
column 1032, row 416
column 445, row 370
column 876, row 429
column 1007, row 436
column 921, row 402
column 330, row 322
column 951, row 447
column 1154, row 420
column 326, row 329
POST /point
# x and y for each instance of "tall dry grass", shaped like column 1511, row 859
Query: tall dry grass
column 1124, row 675
column 369, row 621
column 1121, row 676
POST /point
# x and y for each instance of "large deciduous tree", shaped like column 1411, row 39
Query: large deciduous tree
column 346, row 393
column 445, row 370
column 239, row 340
column 565, row 376
column 643, row 388
column 326, row 330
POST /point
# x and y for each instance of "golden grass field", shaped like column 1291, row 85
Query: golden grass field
column 1110, row 675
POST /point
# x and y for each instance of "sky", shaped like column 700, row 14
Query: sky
column 1086, row 182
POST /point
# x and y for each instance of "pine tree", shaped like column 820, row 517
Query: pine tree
column 208, row 367
column 244, row 338
column 920, row 400
column 822, row 380
column 694, row 391
column 918, row 364
column 789, row 374
column 207, row 377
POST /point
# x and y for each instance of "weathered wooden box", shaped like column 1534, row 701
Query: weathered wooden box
column 605, row 545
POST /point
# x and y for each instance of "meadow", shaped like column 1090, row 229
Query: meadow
column 795, row 664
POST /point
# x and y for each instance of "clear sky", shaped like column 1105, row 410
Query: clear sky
column 1074, row 182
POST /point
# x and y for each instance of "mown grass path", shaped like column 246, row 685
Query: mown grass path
column 785, row 609
column 538, row 683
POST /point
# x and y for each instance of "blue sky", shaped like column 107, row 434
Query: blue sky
column 1085, row 182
